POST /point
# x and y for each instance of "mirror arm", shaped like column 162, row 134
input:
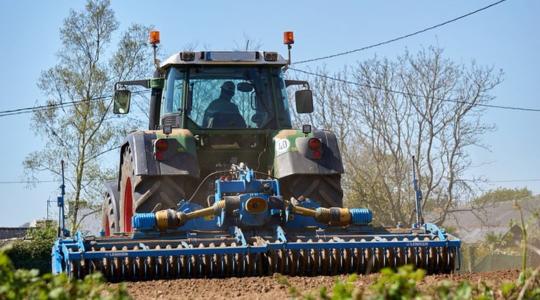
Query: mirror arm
column 289, row 82
column 144, row 83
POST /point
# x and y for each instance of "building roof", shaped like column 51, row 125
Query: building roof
column 12, row 232
column 92, row 223
column 473, row 225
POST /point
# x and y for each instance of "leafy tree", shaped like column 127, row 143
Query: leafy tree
column 503, row 194
column 497, row 241
column 78, row 126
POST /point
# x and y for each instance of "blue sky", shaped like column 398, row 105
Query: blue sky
column 505, row 36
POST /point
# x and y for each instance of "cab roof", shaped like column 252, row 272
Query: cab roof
column 225, row 58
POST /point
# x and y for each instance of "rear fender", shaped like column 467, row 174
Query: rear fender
column 292, row 155
column 181, row 158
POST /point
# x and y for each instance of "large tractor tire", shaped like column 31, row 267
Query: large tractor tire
column 109, row 214
column 325, row 189
column 140, row 194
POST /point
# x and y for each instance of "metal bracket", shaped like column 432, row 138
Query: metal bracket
column 303, row 83
column 280, row 234
column 320, row 233
column 435, row 230
column 80, row 242
column 144, row 83
column 239, row 235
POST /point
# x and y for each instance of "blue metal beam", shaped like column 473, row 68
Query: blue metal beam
column 260, row 249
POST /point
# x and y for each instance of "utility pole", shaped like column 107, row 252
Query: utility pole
column 62, row 232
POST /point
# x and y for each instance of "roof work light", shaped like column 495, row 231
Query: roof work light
column 154, row 41
column 288, row 38
column 154, row 37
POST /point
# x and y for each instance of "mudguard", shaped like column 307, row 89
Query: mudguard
column 183, row 160
column 292, row 155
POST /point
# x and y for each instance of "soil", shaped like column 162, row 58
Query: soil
column 271, row 288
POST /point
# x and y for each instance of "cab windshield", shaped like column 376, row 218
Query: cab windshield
column 227, row 97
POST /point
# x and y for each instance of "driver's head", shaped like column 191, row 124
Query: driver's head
column 227, row 89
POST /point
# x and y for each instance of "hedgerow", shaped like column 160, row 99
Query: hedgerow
column 34, row 251
column 29, row 284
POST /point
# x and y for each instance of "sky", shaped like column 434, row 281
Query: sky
column 505, row 37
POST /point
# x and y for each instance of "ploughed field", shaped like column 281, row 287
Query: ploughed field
column 272, row 287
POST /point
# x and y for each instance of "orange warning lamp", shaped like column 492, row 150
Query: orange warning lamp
column 154, row 37
column 288, row 38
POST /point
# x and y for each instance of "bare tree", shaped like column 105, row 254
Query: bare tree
column 386, row 111
column 247, row 44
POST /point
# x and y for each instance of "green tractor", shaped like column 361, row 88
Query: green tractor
column 222, row 185
column 210, row 110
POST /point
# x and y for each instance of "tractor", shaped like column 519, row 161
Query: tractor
column 222, row 184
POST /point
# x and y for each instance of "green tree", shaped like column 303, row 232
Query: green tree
column 79, row 127
column 497, row 241
column 503, row 194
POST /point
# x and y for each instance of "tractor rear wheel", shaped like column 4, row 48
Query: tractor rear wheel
column 325, row 189
column 140, row 194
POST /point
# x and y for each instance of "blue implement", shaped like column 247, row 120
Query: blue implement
column 249, row 230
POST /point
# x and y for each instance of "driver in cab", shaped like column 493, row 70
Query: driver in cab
column 222, row 113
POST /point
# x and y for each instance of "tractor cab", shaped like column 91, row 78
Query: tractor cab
column 232, row 102
column 226, row 90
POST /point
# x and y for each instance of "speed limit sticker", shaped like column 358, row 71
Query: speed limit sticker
column 282, row 146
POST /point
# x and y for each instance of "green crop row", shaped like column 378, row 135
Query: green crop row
column 403, row 284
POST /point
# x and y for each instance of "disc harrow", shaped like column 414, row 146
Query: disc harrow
column 126, row 259
column 251, row 231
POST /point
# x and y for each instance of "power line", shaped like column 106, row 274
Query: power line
column 399, row 37
column 416, row 95
column 514, row 180
column 25, row 110
column 27, row 181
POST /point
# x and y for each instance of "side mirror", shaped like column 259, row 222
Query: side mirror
column 122, row 100
column 304, row 101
